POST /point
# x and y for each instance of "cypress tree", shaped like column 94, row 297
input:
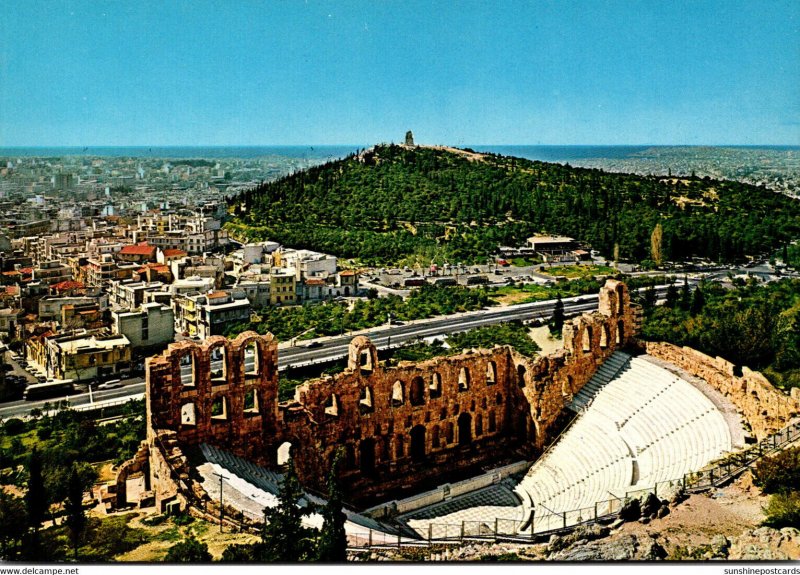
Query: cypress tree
column 686, row 295
column 36, row 496
column 284, row 538
column 698, row 301
column 76, row 518
column 557, row 321
column 332, row 546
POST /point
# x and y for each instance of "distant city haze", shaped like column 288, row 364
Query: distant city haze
column 149, row 73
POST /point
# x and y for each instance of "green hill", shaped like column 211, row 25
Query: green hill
column 393, row 203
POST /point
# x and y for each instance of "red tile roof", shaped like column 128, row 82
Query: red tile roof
column 67, row 285
column 175, row 253
column 138, row 250
column 315, row 282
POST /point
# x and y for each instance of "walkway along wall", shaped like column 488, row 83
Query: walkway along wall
column 398, row 426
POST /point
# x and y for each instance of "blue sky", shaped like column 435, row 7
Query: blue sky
column 253, row 72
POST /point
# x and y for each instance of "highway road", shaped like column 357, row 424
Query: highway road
column 336, row 347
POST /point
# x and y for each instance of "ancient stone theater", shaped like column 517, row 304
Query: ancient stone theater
column 446, row 440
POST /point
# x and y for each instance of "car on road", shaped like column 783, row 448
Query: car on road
column 41, row 378
column 313, row 345
column 22, row 363
column 113, row 384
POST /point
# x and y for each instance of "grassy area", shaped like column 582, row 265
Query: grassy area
column 525, row 262
column 575, row 272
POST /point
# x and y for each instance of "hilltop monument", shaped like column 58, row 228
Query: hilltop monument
column 409, row 138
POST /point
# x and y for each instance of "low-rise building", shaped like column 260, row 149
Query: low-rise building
column 282, row 286
column 85, row 357
column 151, row 326
column 204, row 315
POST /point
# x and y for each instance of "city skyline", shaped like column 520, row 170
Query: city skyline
column 565, row 73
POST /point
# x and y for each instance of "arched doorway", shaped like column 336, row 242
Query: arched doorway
column 464, row 429
column 366, row 456
column 417, row 450
column 284, row 453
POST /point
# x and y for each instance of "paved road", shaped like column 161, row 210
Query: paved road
column 336, row 347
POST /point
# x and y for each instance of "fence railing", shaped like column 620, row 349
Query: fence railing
column 542, row 522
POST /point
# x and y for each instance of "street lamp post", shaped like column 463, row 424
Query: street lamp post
column 221, row 508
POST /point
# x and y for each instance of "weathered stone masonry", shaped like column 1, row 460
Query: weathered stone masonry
column 397, row 426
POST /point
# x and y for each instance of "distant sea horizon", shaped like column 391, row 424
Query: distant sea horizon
column 546, row 153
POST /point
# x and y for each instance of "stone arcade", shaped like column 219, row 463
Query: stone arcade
column 401, row 428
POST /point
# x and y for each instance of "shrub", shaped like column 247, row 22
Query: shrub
column 14, row 426
column 779, row 473
column 783, row 510
column 188, row 551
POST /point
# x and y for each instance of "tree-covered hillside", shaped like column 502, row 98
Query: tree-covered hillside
column 392, row 202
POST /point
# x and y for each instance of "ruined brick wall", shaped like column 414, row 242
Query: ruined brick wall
column 397, row 426
column 224, row 392
column 549, row 383
column 764, row 408
column 447, row 413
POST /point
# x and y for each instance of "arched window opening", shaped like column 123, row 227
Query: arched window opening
column 188, row 414
column 365, row 361
column 465, row 429
column 187, row 369
column 284, row 453
column 417, row 393
column 499, row 399
column 398, row 394
column 620, row 332
column 491, row 373
column 604, row 337
column 365, row 404
column 521, row 376
column 219, row 408
column 587, row 338
column 417, row 447
column 332, row 406
column 218, row 366
column 435, row 388
column 251, row 359
column 251, row 401
column 478, row 425
column 620, row 300
column 399, row 447
column 463, row 379
column 492, row 422
column 435, row 436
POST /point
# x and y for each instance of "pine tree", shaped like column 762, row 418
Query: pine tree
column 76, row 518
column 557, row 321
column 332, row 545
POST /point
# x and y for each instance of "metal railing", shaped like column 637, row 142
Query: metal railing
column 544, row 523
